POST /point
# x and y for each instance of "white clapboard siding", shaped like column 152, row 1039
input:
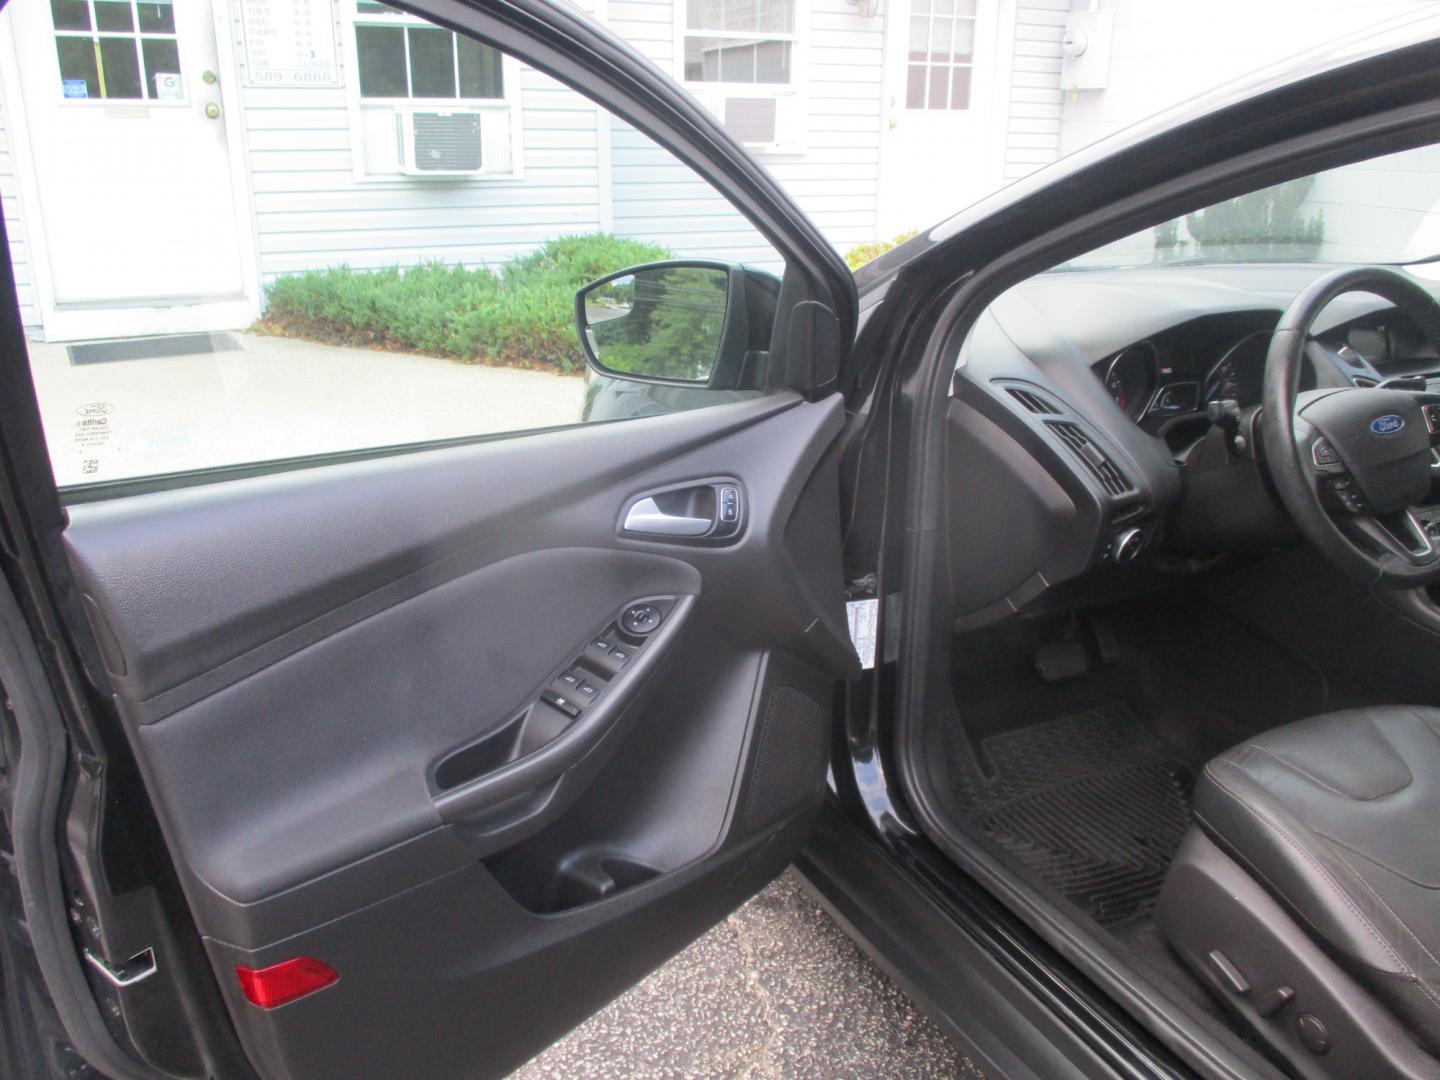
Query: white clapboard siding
column 834, row 177
column 15, row 229
column 312, row 212
column 1033, row 120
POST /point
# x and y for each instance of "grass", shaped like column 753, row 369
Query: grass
column 520, row 315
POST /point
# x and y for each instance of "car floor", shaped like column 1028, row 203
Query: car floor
column 1084, row 783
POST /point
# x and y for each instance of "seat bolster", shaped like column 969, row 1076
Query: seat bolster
column 1302, row 871
column 1327, row 890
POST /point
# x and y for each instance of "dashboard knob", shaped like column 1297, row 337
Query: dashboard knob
column 1127, row 544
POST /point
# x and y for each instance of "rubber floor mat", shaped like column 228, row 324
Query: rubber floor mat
column 1091, row 803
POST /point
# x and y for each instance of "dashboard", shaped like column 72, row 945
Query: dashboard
column 1078, row 430
column 1180, row 370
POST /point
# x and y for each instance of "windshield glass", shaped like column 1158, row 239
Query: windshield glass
column 1385, row 210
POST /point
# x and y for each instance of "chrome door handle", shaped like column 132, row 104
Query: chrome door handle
column 647, row 517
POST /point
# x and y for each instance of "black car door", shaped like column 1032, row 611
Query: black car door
column 450, row 745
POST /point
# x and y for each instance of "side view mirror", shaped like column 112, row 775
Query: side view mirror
column 686, row 322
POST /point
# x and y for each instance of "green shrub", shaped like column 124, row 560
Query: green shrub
column 858, row 256
column 522, row 314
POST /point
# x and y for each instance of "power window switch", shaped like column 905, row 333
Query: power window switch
column 604, row 660
column 570, row 706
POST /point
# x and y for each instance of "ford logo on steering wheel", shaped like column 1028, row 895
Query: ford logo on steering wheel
column 1387, row 425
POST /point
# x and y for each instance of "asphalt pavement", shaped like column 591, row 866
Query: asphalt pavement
column 776, row 991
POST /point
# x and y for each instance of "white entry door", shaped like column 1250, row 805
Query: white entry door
column 937, row 103
column 126, row 146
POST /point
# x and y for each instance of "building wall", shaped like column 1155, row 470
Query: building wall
column 1035, row 107
column 1164, row 53
column 311, row 211
column 835, row 178
column 15, row 227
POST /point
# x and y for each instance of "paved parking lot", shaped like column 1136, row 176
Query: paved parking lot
column 776, row 991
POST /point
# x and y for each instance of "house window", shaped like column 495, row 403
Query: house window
column 117, row 49
column 399, row 56
column 942, row 53
column 741, row 60
column 740, row 41
column 428, row 102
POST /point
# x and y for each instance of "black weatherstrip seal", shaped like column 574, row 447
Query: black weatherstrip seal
column 37, row 776
column 961, row 972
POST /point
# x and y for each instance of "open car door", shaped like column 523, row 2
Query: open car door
column 447, row 746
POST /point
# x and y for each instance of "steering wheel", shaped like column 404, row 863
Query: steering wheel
column 1352, row 464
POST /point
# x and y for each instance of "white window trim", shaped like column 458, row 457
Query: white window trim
column 355, row 105
column 928, row 63
column 796, row 90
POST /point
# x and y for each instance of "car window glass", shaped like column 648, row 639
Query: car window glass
column 341, row 228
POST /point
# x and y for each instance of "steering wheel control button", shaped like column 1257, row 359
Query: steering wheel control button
column 641, row 619
column 1323, row 453
column 1344, row 491
column 1432, row 418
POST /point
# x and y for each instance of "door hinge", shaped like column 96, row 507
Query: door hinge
column 138, row 968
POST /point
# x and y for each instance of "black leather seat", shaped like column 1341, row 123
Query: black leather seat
column 1338, row 819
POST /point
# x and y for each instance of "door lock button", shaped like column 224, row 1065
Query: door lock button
column 729, row 504
column 640, row 619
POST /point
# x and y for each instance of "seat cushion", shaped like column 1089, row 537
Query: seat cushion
column 1338, row 816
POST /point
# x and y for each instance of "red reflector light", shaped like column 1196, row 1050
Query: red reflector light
column 280, row 983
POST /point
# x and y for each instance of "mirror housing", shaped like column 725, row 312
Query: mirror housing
column 683, row 322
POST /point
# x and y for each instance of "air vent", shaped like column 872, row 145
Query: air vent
column 1079, row 444
column 1032, row 401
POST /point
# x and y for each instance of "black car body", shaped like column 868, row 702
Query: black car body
column 245, row 751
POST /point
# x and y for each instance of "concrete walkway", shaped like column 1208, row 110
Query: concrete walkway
column 274, row 398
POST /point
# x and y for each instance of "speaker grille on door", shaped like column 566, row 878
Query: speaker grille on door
column 790, row 762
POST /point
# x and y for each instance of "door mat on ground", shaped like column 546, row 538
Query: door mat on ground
column 150, row 348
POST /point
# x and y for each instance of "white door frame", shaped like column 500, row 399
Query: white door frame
column 994, row 34
column 68, row 322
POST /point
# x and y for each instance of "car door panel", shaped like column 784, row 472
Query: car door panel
column 330, row 681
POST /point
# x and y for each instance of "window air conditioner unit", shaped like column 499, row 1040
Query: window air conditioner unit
column 441, row 142
column 773, row 122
